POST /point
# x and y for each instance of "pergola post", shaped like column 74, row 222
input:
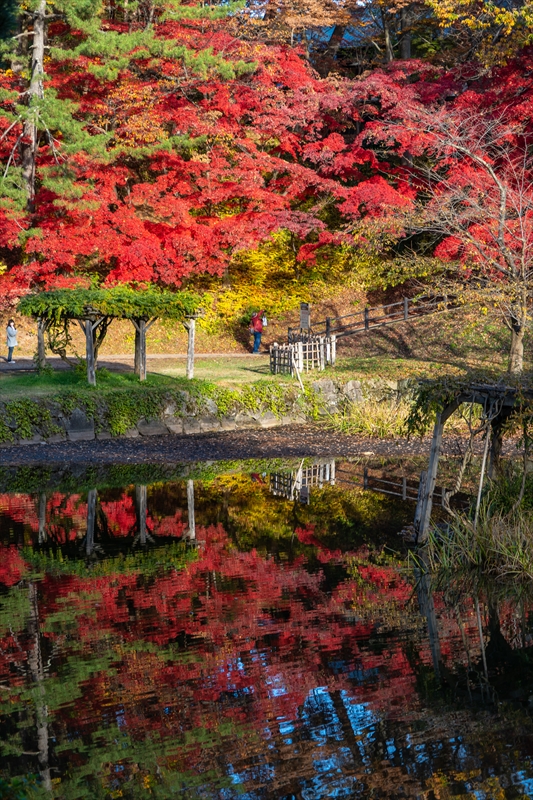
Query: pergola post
column 42, row 325
column 89, row 352
column 190, row 326
column 142, row 326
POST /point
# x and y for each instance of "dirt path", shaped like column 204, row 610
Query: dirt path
column 291, row 441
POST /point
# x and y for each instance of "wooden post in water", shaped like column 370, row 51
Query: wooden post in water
column 427, row 609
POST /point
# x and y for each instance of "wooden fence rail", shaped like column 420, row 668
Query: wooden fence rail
column 376, row 317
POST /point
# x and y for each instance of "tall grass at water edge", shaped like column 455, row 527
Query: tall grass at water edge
column 387, row 418
column 500, row 545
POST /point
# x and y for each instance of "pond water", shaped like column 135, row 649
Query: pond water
column 248, row 631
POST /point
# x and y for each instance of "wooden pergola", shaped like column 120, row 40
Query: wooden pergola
column 498, row 403
column 95, row 309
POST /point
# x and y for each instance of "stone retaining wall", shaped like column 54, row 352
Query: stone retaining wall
column 181, row 413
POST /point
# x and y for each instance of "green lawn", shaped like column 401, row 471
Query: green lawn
column 228, row 372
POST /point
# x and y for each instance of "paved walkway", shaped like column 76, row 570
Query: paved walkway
column 123, row 360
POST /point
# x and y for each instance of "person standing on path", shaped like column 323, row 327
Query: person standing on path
column 256, row 327
column 11, row 335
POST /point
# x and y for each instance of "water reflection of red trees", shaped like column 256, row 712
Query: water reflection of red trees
column 232, row 638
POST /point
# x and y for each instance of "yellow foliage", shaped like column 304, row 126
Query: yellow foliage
column 271, row 278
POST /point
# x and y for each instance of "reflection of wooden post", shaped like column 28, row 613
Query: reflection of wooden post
column 142, row 326
column 427, row 609
column 91, row 521
column 89, row 353
column 141, row 507
column 37, row 671
column 190, row 510
column 42, row 517
column 42, row 325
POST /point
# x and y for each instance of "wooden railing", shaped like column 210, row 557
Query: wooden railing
column 377, row 316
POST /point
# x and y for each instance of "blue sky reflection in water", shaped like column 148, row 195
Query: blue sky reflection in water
column 216, row 640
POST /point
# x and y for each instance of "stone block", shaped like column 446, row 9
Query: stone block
column 79, row 427
column 175, row 425
column 103, row 435
column 35, row 439
column 245, row 421
column 56, row 437
column 170, row 409
column 81, row 436
column 208, row 424
column 151, row 427
column 353, row 392
column 210, row 406
column 131, row 433
column 191, row 426
column 327, row 392
column 228, row 423
column 269, row 420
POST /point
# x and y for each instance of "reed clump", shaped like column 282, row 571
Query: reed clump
column 373, row 419
column 500, row 544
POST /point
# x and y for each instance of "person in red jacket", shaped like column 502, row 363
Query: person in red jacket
column 256, row 327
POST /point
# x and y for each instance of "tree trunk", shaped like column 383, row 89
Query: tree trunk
column 405, row 38
column 389, row 52
column 516, row 353
column 35, row 91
